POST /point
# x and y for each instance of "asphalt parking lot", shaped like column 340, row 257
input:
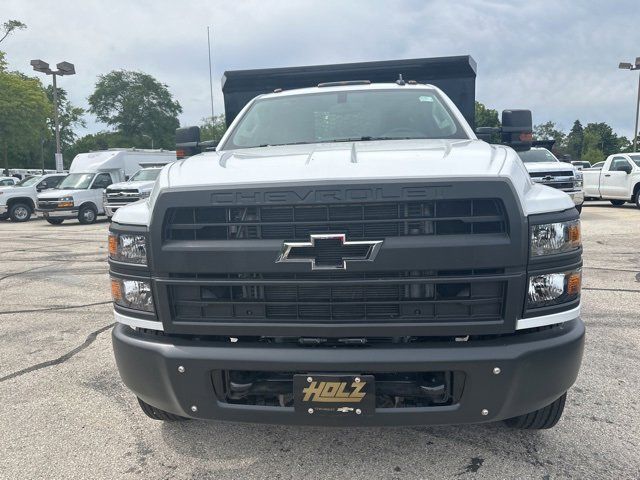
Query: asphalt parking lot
column 65, row 413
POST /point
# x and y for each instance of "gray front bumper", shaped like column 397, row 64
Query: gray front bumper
column 3, row 209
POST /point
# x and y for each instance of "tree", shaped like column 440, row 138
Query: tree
column 548, row 131
column 575, row 140
column 486, row 117
column 24, row 110
column 9, row 27
column 137, row 106
column 212, row 128
column 97, row 141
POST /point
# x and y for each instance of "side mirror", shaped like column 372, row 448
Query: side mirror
column 188, row 135
column 517, row 129
column 626, row 169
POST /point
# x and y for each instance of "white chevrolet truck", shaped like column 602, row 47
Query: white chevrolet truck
column 351, row 254
column 123, row 193
column 18, row 202
column 546, row 169
column 618, row 180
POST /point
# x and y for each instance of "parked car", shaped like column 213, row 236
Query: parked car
column 18, row 202
column 597, row 166
column 580, row 165
column 8, row 181
column 546, row 169
column 137, row 187
column 81, row 194
column 618, row 181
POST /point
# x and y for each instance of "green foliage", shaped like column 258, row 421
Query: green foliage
column 574, row 141
column 137, row 106
column 9, row 27
column 97, row 141
column 24, row 109
column 213, row 128
column 486, row 117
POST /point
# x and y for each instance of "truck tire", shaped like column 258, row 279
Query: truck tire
column 87, row 215
column 55, row 221
column 20, row 212
column 546, row 417
column 157, row 414
column 636, row 200
column 617, row 203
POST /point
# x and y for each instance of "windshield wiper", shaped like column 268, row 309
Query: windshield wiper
column 365, row 139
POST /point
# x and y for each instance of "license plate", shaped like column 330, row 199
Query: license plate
column 334, row 394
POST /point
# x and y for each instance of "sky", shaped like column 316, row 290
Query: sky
column 556, row 58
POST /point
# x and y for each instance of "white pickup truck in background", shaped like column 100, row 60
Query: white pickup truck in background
column 618, row 181
column 545, row 169
column 138, row 186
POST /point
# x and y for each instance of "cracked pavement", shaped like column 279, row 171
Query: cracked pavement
column 65, row 413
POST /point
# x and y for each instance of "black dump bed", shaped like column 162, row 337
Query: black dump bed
column 456, row 76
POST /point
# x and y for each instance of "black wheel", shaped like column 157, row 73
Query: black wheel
column 636, row 199
column 617, row 203
column 55, row 221
column 546, row 417
column 157, row 414
column 20, row 212
column 87, row 215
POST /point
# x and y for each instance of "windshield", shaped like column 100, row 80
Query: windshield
column 345, row 116
column 27, row 182
column 76, row 181
column 537, row 155
column 146, row 175
column 636, row 158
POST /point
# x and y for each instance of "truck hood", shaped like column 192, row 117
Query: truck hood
column 8, row 192
column 378, row 160
column 548, row 166
column 141, row 185
column 54, row 194
column 351, row 162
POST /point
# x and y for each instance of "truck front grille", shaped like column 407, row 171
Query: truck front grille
column 424, row 296
column 122, row 196
column 356, row 220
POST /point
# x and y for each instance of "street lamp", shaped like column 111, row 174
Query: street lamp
column 635, row 66
column 64, row 68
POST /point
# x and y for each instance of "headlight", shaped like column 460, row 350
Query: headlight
column 551, row 238
column 554, row 288
column 134, row 294
column 145, row 194
column 128, row 247
column 65, row 202
column 578, row 180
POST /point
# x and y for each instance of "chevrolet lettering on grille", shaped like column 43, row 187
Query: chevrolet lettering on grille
column 329, row 251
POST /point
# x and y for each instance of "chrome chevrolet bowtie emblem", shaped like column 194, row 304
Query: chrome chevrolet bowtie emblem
column 329, row 251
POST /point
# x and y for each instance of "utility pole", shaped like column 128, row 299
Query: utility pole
column 64, row 68
column 210, row 75
column 635, row 66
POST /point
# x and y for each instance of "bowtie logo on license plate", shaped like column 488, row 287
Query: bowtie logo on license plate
column 330, row 251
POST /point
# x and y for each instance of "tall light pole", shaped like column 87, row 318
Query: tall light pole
column 635, row 66
column 64, row 68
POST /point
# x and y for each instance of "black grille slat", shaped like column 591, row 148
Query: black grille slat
column 358, row 221
column 335, row 297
